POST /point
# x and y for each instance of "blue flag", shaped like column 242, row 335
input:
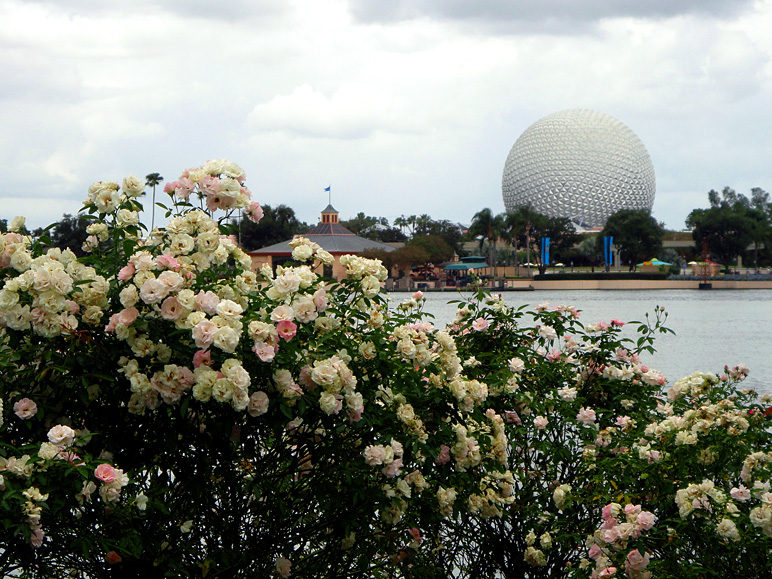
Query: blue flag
column 327, row 188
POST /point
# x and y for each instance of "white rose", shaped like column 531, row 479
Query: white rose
column 61, row 435
column 17, row 223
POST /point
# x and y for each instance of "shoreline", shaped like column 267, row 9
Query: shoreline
column 601, row 284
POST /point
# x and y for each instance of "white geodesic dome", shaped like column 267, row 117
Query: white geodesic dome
column 580, row 164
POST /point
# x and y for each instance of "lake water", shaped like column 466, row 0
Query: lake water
column 713, row 327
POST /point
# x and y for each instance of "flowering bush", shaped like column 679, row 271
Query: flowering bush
column 166, row 410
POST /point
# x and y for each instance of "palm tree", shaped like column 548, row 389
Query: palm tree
column 487, row 227
column 151, row 181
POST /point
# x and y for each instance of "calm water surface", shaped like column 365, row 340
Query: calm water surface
column 713, row 327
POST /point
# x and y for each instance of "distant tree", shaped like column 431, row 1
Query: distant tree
column 732, row 223
column 591, row 248
column 278, row 224
column 436, row 248
column 527, row 226
column 407, row 256
column 637, row 235
column 375, row 228
column 153, row 180
column 487, row 227
column 70, row 233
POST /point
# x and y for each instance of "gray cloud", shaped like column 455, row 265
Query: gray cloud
column 549, row 15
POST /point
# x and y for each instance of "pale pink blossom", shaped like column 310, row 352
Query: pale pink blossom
column 374, row 454
column 418, row 295
column 113, row 558
column 393, row 468
column 444, row 455
column 607, row 572
column 740, row 493
column 167, row 261
column 320, row 299
column 646, row 520
column 61, row 435
column 265, row 352
column 540, row 422
column 126, row 272
column 480, row 325
column 586, row 416
column 283, row 566
column 636, row 561
column 127, row 316
column 171, row 309
column 105, row 473
column 25, row 408
column 207, row 302
column 36, row 538
column 258, row 403
column 254, row 212
column 203, row 333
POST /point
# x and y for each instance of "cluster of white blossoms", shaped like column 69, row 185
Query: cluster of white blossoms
column 369, row 272
column 305, row 250
column 54, row 292
column 218, row 183
column 414, row 345
column 704, row 496
column 338, row 385
column 694, row 385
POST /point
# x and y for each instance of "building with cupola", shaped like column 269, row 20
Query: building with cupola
column 331, row 236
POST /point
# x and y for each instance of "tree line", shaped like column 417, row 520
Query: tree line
column 734, row 225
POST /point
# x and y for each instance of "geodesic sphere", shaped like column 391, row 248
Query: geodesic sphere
column 579, row 164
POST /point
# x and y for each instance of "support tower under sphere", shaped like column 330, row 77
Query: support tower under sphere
column 579, row 164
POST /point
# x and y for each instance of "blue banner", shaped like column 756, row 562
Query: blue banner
column 545, row 251
column 608, row 241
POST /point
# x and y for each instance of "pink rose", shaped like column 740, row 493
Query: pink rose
column 264, row 351
column 110, row 327
column 646, row 520
column 608, row 572
column 112, row 558
column 36, row 538
column 203, row 333
column 283, row 566
column 418, row 295
column 171, row 309
column 636, row 561
column 286, row 330
column 207, row 302
column 480, row 325
column 25, row 408
column 105, row 473
column 128, row 316
column 416, row 535
column 258, row 403
column 202, row 358
column 540, row 422
column 512, row 417
column 320, row 300
column 167, row 261
column 126, row 272
column 393, row 468
column 444, row 455
column 254, row 212
column 594, row 552
column 586, row 416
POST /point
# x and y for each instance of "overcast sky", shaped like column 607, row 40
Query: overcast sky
column 401, row 106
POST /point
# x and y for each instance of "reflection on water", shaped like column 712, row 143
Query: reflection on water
column 713, row 328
